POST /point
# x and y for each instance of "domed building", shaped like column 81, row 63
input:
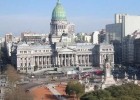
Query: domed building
column 59, row 23
column 63, row 52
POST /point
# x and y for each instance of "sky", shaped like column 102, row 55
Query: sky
column 17, row 16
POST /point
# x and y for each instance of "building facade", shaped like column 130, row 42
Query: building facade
column 33, row 37
column 124, row 25
column 128, row 50
column 59, row 24
column 62, row 51
column 31, row 58
column 8, row 37
column 137, row 51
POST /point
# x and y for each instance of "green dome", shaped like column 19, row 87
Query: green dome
column 58, row 12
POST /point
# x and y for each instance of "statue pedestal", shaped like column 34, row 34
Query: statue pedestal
column 109, row 81
column 136, row 82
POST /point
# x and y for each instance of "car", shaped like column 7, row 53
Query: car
column 99, row 72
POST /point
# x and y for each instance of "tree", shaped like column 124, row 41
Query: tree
column 123, row 92
column 12, row 75
column 14, row 92
column 75, row 88
column 17, row 93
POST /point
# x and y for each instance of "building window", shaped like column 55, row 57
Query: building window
column 25, row 51
column 29, row 68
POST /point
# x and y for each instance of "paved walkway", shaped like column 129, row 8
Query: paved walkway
column 55, row 92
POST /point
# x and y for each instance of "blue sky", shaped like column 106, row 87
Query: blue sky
column 88, row 15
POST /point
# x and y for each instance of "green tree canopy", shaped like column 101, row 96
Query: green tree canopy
column 75, row 88
column 123, row 92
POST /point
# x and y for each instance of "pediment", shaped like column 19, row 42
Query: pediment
column 66, row 49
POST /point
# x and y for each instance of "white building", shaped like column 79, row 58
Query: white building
column 95, row 37
column 2, row 40
column 59, row 24
column 62, row 51
column 8, row 37
column 35, row 57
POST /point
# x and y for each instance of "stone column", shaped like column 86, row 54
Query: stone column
column 42, row 61
column 68, row 60
column 76, row 60
column 62, row 60
column 81, row 60
column 45, row 60
column 72, row 59
column 58, row 60
column 88, row 60
column 48, row 60
column 65, row 60
column 38, row 61
column 85, row 60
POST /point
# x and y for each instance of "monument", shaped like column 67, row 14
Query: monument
column 135, row 79
column 108, row 77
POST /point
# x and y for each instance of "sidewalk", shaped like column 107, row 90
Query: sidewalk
column 51, row 87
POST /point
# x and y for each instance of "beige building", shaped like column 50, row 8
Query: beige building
column 33, row 37
column 8, row 37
